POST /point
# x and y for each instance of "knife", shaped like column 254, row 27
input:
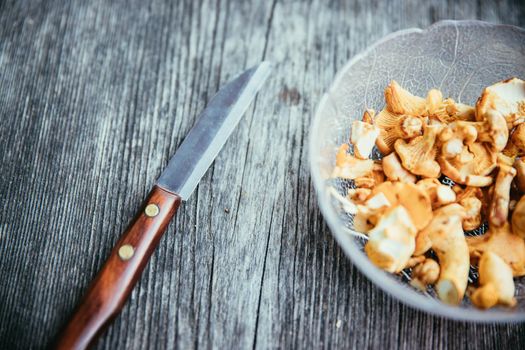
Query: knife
column 112, row 286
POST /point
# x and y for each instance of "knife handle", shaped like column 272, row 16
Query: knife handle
column 112, row 286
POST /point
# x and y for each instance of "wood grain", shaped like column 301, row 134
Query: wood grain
column 94, row 98
column 111, row 288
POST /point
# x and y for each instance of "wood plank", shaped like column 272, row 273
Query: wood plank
column 95, row 97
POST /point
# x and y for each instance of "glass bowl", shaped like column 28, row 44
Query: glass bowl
column 458, row 57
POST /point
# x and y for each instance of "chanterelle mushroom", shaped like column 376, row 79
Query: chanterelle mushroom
column 394, row 171
column 499, row 205
column 519, row 165
column 363, row 138
column 373, row 178
column 391, row 242
column 393, row 127
column 502, row 241
column 507, row 97
column 460, row 111
column 445, row 236
column 411, row 197
column 518, row 218
column 368, row 214
column 400, row 101
column 455, row 137
column 496, row 283
column 516, row 145
column 368, row 116
column 470, row 198
column 471, row 166
column 419, row 154
column 425, row 273
column 349, row 167
column 423, row 241
column 439, row 194
column 492, row 130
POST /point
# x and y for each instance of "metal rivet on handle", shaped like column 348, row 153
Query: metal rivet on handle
column 126, row 252
column 152, row 210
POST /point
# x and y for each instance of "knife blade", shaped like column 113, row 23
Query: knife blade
column 206, row 138
column 112, row 286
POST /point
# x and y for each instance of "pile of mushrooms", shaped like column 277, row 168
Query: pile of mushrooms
column 411, row 217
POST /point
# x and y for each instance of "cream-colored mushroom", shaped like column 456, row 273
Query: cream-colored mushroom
column 496, row 283
column 507, row 97
column 419, row 154
column 499, row 205
column 369, row 213
column 518, row 218
column 411, row 197
column 445, row 236
column 502, row 241
column 391, row 241
column 394, row 170
column 425, row 273
column 393, row 127
column 349, row 167
column 363, row 138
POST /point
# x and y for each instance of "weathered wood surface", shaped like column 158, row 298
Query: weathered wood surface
column 94, row 97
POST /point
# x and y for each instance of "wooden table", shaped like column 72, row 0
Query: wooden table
column 94, row 98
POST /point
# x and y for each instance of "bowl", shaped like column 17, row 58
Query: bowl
column 458, row 57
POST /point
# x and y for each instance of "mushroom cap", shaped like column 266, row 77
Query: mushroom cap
column 400, row 101
column 411, row 197
column 438, row 193
column 517, row 140
column 502, row 241
column 507, row 97
column 460, row 111
column 426, row 272
column 472, row 207
column 475, row 160
column 418, row 155
column 363, row 137
column 394, row 171
column 391, row 242
column 496, row 131
column 394, row 126
column 349, row 167
column 495, row 279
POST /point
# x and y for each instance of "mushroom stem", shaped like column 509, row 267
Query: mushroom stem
column 445, row 236
column 496, row 283
column 499, row 206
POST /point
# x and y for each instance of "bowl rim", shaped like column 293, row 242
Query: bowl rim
column 356, row 256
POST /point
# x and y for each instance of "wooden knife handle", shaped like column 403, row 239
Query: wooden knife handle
column 110, row 289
